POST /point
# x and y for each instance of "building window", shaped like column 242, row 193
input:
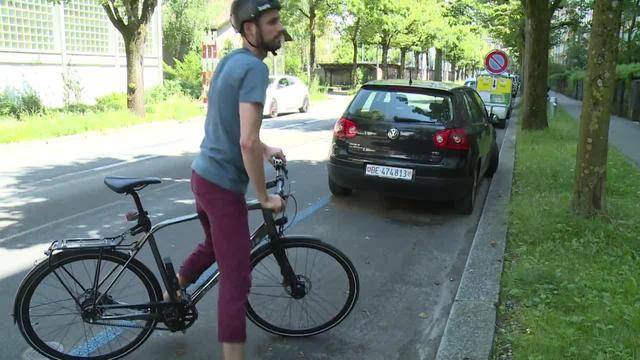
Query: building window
column 26, row 25
column 86, row 27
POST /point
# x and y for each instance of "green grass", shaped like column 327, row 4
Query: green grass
column 570, row 286
column 56, row 124
column 318, row 95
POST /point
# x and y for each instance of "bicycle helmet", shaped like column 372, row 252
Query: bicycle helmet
column 250, row 10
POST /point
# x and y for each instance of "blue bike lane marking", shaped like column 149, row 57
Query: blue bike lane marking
column 112, row 333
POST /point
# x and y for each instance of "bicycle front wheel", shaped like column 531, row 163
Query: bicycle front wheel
column 57, row 312
column 330, row 282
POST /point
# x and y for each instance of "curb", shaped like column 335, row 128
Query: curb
column 471, row 324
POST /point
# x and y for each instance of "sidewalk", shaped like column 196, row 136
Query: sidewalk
column 624, row 134
column 472, row 320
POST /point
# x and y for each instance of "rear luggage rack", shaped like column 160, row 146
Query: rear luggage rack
column 84, row 243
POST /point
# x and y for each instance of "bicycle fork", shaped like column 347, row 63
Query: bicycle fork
column 295, row 284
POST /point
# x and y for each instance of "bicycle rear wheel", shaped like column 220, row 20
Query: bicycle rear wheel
column 53, row 307
column 329, row 278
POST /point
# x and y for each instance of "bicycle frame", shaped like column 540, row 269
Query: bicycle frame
column 266, row 232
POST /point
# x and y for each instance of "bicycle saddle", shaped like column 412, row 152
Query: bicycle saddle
column 126, row 185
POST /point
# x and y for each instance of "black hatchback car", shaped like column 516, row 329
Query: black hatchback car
column 424, row 140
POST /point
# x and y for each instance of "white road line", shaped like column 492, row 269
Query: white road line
column 122, row 163
column 294, row 125
column 86, row 212
column 99, row 168
column 40, row 227
column 59, row 221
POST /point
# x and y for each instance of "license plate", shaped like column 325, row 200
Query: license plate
column 389, row 172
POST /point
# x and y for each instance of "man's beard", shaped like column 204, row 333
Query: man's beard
column 274, row 44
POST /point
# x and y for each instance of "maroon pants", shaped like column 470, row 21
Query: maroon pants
column 223, row 215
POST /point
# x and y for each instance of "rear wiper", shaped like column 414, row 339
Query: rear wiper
column 403, row 119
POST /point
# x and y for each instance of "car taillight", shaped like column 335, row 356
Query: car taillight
column 345, row 128
column 452, row 139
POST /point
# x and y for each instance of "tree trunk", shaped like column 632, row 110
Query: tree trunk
column 454, row 71
column 634, row 14
column 522, row 35
column 354, row 66
column 426, row 65
column 312, row 41
column 134, row 33
column 385, row 63
column 134, row 50
column 591, row 160
column 354, row 43
column 537, row 61
column 403, row 58
column 437, row 70
column 303, row 61
column 416, row 57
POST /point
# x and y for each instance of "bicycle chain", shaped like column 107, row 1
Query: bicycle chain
column 129, row 326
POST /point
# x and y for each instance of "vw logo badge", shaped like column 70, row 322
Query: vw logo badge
column 393, row 133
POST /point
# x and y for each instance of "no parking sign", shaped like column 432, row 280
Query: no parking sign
column 496, row 62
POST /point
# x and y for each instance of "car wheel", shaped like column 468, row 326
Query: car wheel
column 338, row 190
column 466, row 204
column 273, row 109
column 493, row 161
column 305, row 105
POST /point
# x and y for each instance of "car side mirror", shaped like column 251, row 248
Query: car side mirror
column 493, row 119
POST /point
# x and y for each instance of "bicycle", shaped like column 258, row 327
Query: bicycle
column 109, row 302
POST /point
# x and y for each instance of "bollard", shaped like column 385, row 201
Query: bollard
column 552, row 103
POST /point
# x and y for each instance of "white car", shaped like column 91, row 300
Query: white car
column 470, row 82
column 285, row 93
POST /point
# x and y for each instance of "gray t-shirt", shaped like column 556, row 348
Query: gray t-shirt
column 239, row 77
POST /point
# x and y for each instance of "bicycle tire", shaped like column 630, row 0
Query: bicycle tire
column 67, row 266
column 263, row 258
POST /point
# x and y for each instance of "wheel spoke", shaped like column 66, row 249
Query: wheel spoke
column 330, row 291
column 74, row 279
column 48, row 316
column 274, row 296
column 50, row 302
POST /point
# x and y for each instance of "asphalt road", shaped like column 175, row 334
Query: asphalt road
column 409, row 254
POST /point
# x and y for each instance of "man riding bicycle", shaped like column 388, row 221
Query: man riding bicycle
column 231, row 154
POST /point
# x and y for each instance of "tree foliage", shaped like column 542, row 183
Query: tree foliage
column 183, row 24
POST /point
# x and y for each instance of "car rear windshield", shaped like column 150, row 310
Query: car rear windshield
column 376, row 105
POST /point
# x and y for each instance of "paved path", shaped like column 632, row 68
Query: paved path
column 624, row 134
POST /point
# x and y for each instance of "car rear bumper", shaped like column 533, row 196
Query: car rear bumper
column 452, row 185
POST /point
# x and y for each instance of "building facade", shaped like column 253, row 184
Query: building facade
column 49, row 47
